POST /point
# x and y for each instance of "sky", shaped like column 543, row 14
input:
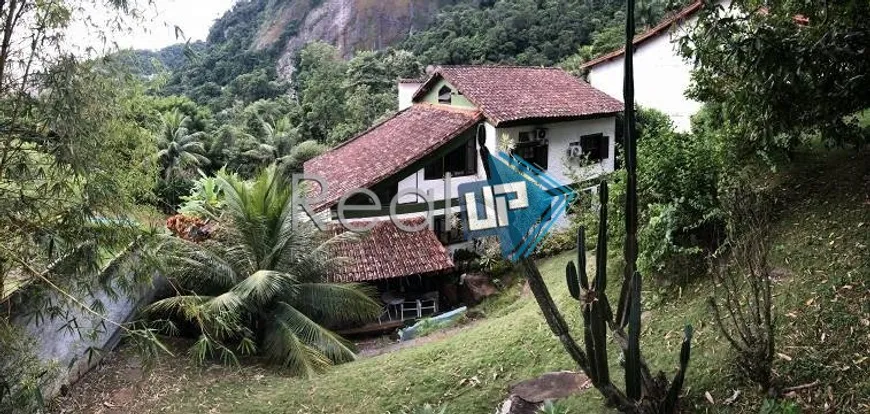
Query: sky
column 194, row 17
column 157, row 29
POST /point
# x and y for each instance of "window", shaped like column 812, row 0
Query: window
column 445, row 95
column 596, row 147
column 459, row 162
column 534, row 153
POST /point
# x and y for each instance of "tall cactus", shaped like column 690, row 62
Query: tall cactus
column 643, row 393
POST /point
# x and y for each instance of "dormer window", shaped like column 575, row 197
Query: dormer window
column 445, row 95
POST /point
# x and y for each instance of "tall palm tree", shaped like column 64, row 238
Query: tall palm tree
column 179, row 150
column 275, row 142
column 261, row 284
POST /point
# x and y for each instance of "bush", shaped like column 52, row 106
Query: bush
column 22, row 375
column 558, row 241
column 680, row 219
column 302, row 152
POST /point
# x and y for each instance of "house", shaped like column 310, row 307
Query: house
column 543, row 115
column 661, row 74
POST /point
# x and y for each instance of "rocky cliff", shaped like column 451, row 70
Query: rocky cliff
column 351, row 25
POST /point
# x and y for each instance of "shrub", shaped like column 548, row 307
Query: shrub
column 22, row 375
column 204, row 200
column 743, row 302
column 302, row 152
column 680, row 218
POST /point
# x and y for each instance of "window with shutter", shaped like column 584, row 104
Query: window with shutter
column 596, row 147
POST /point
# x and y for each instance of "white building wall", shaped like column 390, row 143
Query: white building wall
column 406, row 93
column 661, row 78
column 560, row 135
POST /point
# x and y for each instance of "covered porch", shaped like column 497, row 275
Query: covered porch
column 412, row 272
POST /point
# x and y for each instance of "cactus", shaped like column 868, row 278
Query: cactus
column 643, row 394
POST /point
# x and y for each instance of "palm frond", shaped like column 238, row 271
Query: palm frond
column 337, row 303
column 264, row 285
column 333, row 346
column 283, row 346
column 198, row 265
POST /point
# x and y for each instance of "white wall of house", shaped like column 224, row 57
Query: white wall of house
column 661, row 75
column 661, row 78
column 560, row 135
column 406, row 92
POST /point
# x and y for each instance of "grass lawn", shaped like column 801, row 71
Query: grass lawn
column 820, row 249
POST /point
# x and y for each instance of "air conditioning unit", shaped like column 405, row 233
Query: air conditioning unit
column 540, row 134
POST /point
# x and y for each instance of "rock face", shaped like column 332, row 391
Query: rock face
column 350, row 25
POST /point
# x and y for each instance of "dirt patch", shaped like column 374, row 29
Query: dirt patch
column 122, row 384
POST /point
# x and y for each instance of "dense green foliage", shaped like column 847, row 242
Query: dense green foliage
column 679, row 177
column 260, row 284
column 22, row 375
column 525, row 32
column 785, row 71
column 151, row 62
column 228, row 60
column 76, row 160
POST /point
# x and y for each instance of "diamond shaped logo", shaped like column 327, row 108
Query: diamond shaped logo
column 519, row 203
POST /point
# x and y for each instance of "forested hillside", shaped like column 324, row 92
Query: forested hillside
column 262, row 38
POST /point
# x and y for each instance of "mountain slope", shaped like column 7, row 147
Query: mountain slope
column 285, row 26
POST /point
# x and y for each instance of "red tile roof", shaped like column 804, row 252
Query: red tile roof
column 387, row 252
column 662, row 27
column 514, row 93
column 387, row 148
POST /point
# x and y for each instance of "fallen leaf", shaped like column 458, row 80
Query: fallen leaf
column 733, row 398
column 709, row 397
column 783, row 356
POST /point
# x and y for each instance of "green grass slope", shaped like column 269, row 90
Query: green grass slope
column 820, row 248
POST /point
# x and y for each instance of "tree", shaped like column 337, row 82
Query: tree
column 321, row 86
column 74, row 161
column 261, row 285
column 784, row 71
column 180, row 151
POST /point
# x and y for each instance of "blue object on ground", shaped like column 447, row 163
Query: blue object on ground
column 440, row 320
